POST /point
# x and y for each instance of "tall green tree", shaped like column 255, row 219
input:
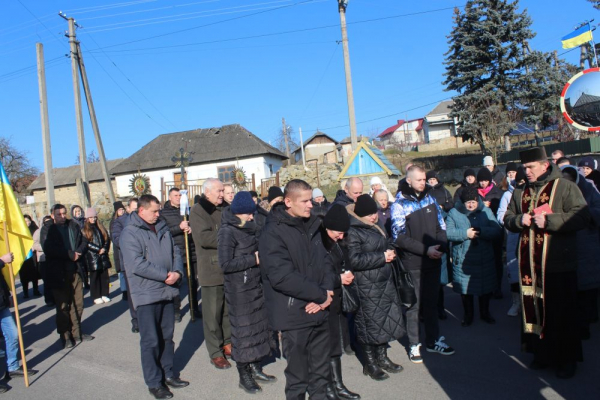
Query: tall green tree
column 486, row 57
column 596, row 4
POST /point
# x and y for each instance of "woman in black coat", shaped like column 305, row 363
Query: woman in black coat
column 119, row 211
column 336, row 223
column 379, row 318
column 29, row 271
column 97, row 262
column 238, row 258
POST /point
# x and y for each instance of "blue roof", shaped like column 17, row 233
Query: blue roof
column 523, row 128
column 385, row 160
column 369, row 160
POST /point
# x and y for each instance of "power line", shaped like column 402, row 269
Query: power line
column 34, row 16
column 265, row 34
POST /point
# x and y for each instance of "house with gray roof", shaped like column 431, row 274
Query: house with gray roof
column 320, row 147
column 438, row 123
column 215, row 152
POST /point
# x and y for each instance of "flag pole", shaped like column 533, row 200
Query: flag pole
column 17, row 317
column 189, row 272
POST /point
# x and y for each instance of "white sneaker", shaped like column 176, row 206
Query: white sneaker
column 98, row 301
column 516, row 305
column 415, row 354
column 441, row 347
column 105, row 299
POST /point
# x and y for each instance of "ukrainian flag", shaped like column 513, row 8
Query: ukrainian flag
column 13, row 227
column 577, row 37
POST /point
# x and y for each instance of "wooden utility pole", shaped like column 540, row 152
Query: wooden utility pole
column 85, row 201
column 342, row 4
column 95, row 128
column 302, row 148
column 287, row 143
column 48, row 175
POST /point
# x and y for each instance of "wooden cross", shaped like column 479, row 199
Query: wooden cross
column 182, row 159
column 527, row 280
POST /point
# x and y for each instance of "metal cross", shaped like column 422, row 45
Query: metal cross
column 182, row 159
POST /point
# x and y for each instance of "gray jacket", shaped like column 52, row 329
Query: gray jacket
column 148, row 257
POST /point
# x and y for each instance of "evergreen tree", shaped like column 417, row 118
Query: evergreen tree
column 596, row 4
column 486, row 65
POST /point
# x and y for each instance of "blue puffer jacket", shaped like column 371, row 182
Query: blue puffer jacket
column 588, row 239
column 148, row 257
column 474, row 267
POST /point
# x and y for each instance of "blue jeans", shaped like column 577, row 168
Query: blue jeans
column 122, row 283
column 9, row 330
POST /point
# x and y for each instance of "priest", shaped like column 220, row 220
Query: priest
column 547, row 212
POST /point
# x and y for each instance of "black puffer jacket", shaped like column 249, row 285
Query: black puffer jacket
column 462, row 187
column 379, row 318
column 295, row 269
column 442, row 196
column 243, row 291
column 341, row 263
column 260, row 218
column 173, row 218
column 93, row 260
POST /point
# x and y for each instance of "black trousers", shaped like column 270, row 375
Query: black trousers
column 99, row 283
column 427, row 288
column 336, row 322
column 307, row 354
column 157, row 323
column 48, row 296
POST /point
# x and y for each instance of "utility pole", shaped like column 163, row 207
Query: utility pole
column 78, row 115
column 285, row 137
column 48, row 175
column 342, row 4
column 96, row 129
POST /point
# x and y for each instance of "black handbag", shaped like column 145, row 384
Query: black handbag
column 350, row 300
column 404, row 284
column 105, row 261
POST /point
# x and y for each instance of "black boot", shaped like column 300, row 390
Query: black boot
column 336, row 376
column 247, row 382
column 371, row 367
column 259, row 375
column 330, row 392
column 484, row 309
column 384, row 362
column 468, row 306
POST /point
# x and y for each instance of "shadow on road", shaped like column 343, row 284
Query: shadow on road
column 193, row 337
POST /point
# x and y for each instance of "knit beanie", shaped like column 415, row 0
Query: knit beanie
column 243, row 204
column 587, row 162
column 317, row 193
column 511, row 166
column 117, row 205
column 469, row 193
column 337, row 219
column 274, row 192
column 431, row 174
column 253, row 193
column 469, row 172
column 365, row 205
column 487, row 160
column 521, row 175
column 484, row 174
column 90, row 212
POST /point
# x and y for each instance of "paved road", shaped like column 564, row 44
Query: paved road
column 488, row 363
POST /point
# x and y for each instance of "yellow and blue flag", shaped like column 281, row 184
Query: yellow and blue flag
column 17, row 232
column 577, row 37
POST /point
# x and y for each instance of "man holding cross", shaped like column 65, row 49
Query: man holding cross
column 547, row 212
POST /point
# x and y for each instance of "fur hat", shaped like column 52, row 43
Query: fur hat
column 469, row 193
column 534, row 154
column 511, row 166
column 365, row 205
column 484, row 174
column 431, row 174
column 243, row 203
column 337, row 219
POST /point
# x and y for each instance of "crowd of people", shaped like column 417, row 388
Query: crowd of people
column 296, row 274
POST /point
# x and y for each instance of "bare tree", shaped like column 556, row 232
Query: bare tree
column 292, row 138
column 91, row 158
column 17, row 165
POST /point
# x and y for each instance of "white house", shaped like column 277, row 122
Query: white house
column 215, row 153
column 438, row 123
column 403, row 133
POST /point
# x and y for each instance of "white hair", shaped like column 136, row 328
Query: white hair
column 208, row 184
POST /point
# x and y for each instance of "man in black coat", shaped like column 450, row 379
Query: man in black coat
column 171, row 215
column 352, row 189
column 298, row 282
column 63, row 247
column 117, row 228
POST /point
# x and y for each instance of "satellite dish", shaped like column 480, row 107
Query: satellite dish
column 580, row 100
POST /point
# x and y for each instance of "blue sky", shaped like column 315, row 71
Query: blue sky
column 203, row 63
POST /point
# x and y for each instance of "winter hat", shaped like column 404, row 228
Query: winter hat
column 253, row 193
column 511, row 166
column 431, row 174
column 365, row 205
column 337, row 219
column 487, row 160
column 243, row 204
column 520, row 174
column 586, row 162
column 117, row 205
column 274, row 192
column 469, row 193
column 317, row 193
column 90, row 212
column 469, row 172
column 533, row 154
column 484, row 174
column 375, row 181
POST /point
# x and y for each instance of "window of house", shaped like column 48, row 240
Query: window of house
column 225, row 173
